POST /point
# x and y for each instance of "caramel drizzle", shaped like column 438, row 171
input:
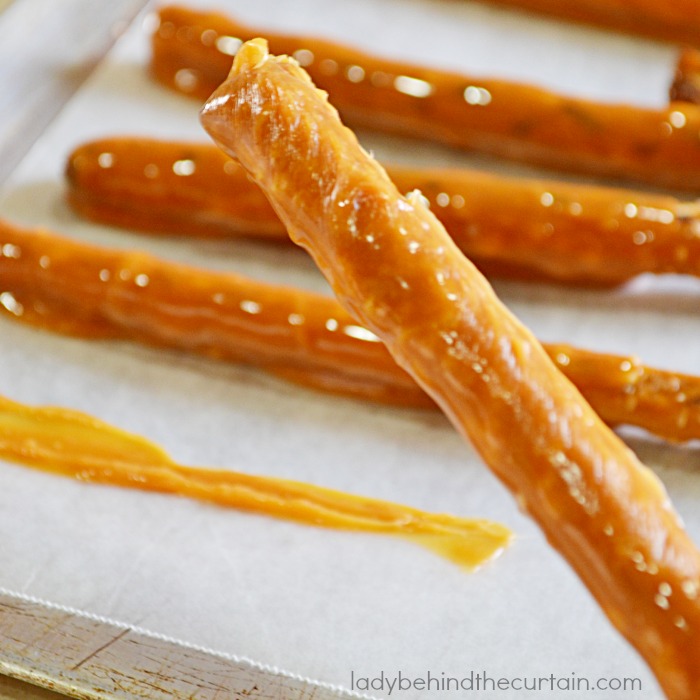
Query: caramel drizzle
column 73, row 444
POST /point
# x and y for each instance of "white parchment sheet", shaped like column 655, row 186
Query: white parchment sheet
column 317, row 602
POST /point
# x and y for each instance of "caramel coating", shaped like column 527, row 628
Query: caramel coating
column 674, row 20
column 529, row 229
column 192, row 52
column 395, row 269
column 92, row 292
column 79, row 289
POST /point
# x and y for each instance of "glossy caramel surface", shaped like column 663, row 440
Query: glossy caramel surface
column 161, row 187
column 393, row 266
column 530, row 229
column 76, row 445
column 192, row 53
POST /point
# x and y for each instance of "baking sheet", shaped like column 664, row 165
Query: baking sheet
column 52, row 47
column 337, row 607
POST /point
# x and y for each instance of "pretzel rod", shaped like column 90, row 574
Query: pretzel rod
column 530, row 229
column 392, row 265
column 81, row 289
column 192, row 52
column 93, row 292
column 674, row 20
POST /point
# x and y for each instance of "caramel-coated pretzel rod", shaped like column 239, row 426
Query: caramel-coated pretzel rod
column 192, row 51
column 677, row 21
column 531, row 229
column 84, row 290
column 396, row 270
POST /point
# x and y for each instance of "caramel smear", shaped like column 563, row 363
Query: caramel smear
column 73, row 444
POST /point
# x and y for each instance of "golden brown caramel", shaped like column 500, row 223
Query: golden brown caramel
column 192, row 53
column 78, row 289
column 686, row 81
column 674, row 20
column 530, row 229
column 76, row 445
column 395, row 269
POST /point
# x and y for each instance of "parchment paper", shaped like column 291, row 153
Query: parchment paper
column 324, row 604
